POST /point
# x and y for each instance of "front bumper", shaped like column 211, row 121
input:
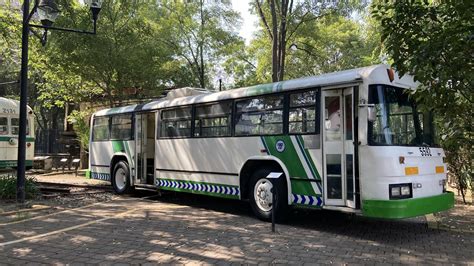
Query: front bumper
column 405, row 208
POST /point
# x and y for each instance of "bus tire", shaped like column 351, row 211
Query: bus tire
column 121, row 178
column 261, row 196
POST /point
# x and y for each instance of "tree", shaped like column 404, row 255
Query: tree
column 332, row 42
column 201, row 33
column 282, row 20
column 124, row 56
column 9, row 48
column 435, row 45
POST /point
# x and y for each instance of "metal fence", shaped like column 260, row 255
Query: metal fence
column 47, row 142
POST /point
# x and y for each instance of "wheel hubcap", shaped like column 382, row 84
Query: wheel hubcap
column 263, row 194
column 120, row 178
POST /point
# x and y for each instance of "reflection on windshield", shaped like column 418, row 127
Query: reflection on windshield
column 397, row 122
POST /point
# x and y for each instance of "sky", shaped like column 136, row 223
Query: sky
column 249, row 21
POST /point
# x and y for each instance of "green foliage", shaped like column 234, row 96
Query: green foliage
column 9, row 40
column 201, row 34
column 122, row 56
column 432, row 40
column 81, row 126
column 332, row 44
column 8, row 187
column 320, row 45
column 284, row 22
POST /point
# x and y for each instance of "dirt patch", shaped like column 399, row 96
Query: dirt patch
column 460, row 218
column 10, row 211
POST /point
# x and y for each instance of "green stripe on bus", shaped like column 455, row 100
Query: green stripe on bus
column 310, row 161
column 197, row 182
column 122, row 146
column 265, row 88
column 13, row 163
column 28, row 139
column 200, row 192
column 306, row 206
column 405, row 208
column 290, row 158
column 118, row 146
column 188, row 190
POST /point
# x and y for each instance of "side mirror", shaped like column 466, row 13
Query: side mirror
column 371, row 113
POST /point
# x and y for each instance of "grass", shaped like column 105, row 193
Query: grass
column 8, row 187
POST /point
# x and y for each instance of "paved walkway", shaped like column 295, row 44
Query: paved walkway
column 194, row 229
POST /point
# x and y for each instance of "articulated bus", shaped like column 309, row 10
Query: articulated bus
column 9, row 127
column 352, row 141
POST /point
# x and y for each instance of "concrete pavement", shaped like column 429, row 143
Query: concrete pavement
column 194, row 229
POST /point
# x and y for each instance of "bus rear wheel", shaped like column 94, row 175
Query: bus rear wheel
column 121, row 178
column 261, row 196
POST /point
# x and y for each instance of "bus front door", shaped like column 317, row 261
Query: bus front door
column 144, row 148
column 140, row 148
column 338, row 147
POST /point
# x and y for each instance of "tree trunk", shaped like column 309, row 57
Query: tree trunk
column 201, row 48
column 282, row 37
column 275, row 59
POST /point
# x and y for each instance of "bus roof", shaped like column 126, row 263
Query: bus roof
column 376, row 74
column 10, row 104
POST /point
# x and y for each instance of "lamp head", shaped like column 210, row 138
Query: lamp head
column 48, row 11
column 95, row 6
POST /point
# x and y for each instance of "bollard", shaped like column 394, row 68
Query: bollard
column 273, row 177
column 273, row 204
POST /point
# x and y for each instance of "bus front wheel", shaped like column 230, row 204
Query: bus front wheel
column 261, row 198
column 121, row 178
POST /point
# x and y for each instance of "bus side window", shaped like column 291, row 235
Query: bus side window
column 3, row 126
column 259, row 116
column 213, row 120
column 176, row 123
column 100, row 129
column 302, row 113
column 121, row 128
column 15, row 126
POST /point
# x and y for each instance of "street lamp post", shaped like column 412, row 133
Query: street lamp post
column 48, row 12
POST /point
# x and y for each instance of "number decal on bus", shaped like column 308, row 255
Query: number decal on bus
column 425, row 151
column 8, row 111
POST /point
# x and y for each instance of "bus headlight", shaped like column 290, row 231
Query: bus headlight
column 400, row 191
column 395, row 192
column 405, row 190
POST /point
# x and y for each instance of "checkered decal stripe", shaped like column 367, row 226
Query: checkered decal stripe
column 307, row 200
column 227, row 190
column 100, row 176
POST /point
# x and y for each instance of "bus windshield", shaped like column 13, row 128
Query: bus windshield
column 398, row 122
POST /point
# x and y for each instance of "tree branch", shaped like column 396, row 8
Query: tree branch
column 302, row 21
column 264, row 20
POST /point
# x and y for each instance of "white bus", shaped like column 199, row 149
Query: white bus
column 9, row 127
column 352, row 141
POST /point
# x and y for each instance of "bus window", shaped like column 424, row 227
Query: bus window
column 3, row 126
column 302, row 115
column 100, row 130
column 213, row 120
column 176, row 123
column 15, row 126
column 259, row 116
column 121, row 128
